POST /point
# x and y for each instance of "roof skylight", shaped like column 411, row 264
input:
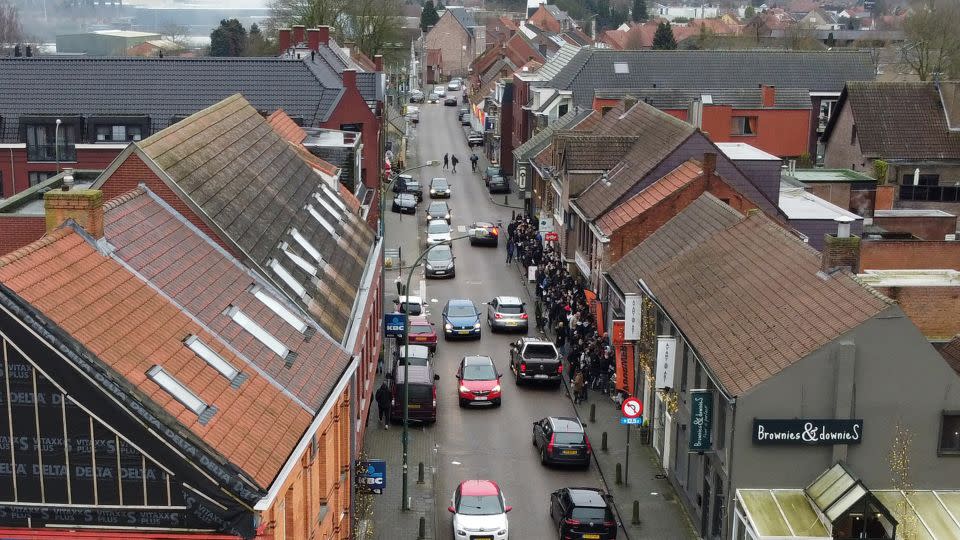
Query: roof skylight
column 621, row 68
column 326, row 224
column 257, row 331
column 211, row 357
column 286, row 277
column 181, row 393
column 334, row 197
column 336, row 215
column 298, row 260
column 280, row 310
column 302, row 241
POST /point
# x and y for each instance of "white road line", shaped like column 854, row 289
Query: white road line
column 461, row 228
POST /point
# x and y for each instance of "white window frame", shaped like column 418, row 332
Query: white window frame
column 334, row 197
column 329, row 207
column 286, row 277
column 258, row 331
column 279, row 309
column 302, row 241
column 298, row 260
column 177, row 390
column 326, row 224
column 217, row 362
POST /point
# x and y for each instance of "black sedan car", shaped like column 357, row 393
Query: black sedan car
column 407, row 184
column 439, row 263
column 583, row 513
column 498, row 184
column 405, row 203
column 561, row 440
column 484, row 233
column 439, row 188
column 438, row 210
column 489, row 173
column 450, row 101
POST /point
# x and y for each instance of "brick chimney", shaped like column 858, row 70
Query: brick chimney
column 324, row 35
column 768, row 95
column 841, row 250
column 378, row 63
column 298, row 34
column 85, row 206
column 709, row 165
column 313, row 38
column 284, row 35
column 349, row 78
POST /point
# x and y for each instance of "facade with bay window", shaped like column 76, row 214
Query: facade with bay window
column 763, row 367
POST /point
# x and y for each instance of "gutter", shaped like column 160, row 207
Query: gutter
column 360, row 302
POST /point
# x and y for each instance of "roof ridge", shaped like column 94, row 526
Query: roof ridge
column 120, row 200
column 44, row 241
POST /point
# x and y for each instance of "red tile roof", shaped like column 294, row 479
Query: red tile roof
column 286, row 127
column 656, row 192
column 131, row 327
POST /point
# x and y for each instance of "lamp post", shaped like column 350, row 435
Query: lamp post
column 406, row 380
column 56, row 144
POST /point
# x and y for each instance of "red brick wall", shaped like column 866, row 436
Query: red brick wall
column 18, row 231
column 935, row 310
column 16, row 178
column 542, row 18
column 909, row 255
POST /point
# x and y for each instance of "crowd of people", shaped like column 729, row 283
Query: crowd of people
column 562, row 306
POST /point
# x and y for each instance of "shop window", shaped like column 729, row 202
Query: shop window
column 744, row 125
column 949, row 433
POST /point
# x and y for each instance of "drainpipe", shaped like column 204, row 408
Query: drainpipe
column 13, row 172
column 733, row 441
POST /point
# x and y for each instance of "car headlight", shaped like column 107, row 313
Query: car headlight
column 446, row 216
column 432, row 191
column 448, row 326
column 501, row 532
column 495, row 388
column 429, row 266
column 476, row 324
column 461, row 533
column 464, row 389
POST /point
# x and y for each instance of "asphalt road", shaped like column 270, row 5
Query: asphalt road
column 488, row 443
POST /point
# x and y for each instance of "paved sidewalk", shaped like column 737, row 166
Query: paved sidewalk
column 514, row 199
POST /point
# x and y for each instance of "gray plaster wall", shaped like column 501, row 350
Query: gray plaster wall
column 898, row 378
column 814, row 229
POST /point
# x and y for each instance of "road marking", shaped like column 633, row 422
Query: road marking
column 461, row 228
column 434, row 300
column 456, row 463
column 473, row 282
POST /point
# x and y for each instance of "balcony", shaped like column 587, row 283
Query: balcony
column 949, row 194
column 47, row 152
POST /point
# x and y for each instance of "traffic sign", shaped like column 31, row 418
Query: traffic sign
column 631, row 421
column 551, row 237
column 632, row 408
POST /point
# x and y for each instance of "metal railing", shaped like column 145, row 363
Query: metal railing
column 930, row 193
column 48, row 152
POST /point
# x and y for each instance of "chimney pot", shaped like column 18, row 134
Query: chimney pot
column 284, row 35
column 843, row 226
column 85, row 206
column 842, row 250
column 313, row 39
column 349, row 78
column 298, row 34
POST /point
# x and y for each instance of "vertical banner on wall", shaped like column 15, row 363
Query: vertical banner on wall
column 623, row 358
column 633, row 309
column 701, row 420
column 595, row 308
column 666, row 359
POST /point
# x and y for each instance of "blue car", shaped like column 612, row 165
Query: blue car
column 461, row 319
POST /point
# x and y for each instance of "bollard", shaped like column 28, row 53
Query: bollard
column 636, row 513
column 420, row 473
column 593, row 412
column 619, row 474
column 506, row 199
column 422, row 533
column 603, row 441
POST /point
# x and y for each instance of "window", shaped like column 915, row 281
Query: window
column 949, row 433
column 562, row 110
column 326, row 224
column 181, row 393
column 302, row 242
column 605, row 110
column 121, row 133
column 334, row 197
column 211, row 357
column 329, row 207
column 286, row 277
column 279, row 309
column 36, row 177
column 298, row 260
column 44, row 138
column 853, row 134
column 621, row 68
column 744, row 125
column 924, row 180
column 258, row 331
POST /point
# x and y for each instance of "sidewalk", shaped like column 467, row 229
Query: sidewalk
column 661, row 515
column 513, row 200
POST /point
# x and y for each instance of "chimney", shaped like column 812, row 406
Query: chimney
column 324, row 35
column 85, row 206
column 768, row 94
column 378, row 63
column 284, row 35
column 298, row 34
column 628, row 103
column 841, row 250
column 313, row 39
column 349, row 78
column 709, row 165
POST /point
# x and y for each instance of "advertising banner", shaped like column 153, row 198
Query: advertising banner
column 666, row 359
column 807, row 432
column 701, row 420
column 623, row 358
column 596, row 308
column 633, row 310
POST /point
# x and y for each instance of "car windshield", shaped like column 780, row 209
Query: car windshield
column 479, row 372
column 405, row 197
column 421, row 329
column 441, row 253
column 588, row 513
column 568, row 438
column 483, row 505
column 461, row 310
column 438, row 228
column 438, row 208
column 439, row 183
column 510, row 310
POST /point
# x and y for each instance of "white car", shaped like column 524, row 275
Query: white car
column 413, row 305
column 440, row 90
column 438, row 232
column 454, row 85
column 479, row 511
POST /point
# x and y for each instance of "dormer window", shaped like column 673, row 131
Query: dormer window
column 48, row 143
column 286, row 277
column 117, row 129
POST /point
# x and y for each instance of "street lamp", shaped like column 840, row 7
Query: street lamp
column 56, row 144
column 406, row 379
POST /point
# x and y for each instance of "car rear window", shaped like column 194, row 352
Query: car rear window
column 510, row 310
column 568, row 438
column 540, row 351
column 587, row 513
column 420, row 329
column 420, row 392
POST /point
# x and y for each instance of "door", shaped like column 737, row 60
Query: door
column 706, row 500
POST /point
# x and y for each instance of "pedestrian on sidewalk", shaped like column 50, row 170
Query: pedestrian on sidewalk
column 446, row 161
column 473, row 161
column 538, row 313
column 577, row 387
column 454, row 161
column 383, row 404
column 510, row 249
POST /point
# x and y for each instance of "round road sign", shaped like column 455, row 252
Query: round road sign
column 632, row 408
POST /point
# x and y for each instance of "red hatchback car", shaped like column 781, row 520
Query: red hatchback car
column 479, row 381
column 423, row 332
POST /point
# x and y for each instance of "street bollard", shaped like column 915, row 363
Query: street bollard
column 636, row 513
column 603, row 441
column 506, row 199
column 420, row 473
column 619, row 474
column 422, row 533
column 593, row 412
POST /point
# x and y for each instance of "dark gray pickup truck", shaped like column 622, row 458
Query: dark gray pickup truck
column 535, row 360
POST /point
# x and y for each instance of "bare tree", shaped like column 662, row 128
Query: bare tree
column 373, row 24
column 310, row 13
column 932, row 43
column 175, row 33
column 11, row 31
column 801, row 37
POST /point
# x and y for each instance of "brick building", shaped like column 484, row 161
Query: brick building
column 458, row 38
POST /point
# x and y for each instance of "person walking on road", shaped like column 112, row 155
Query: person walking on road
column 454, row 161
column 473, row 161
column 446, row 161
column 383, row 404
column 510, row 248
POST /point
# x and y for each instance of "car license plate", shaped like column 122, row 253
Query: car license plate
column 481, row 398
column 591, row 537
column 482, row 538
column 511, row 323
column 441, row 272
column 413, row 406
column 569, row 452
column 540, row 376
column 464, row 331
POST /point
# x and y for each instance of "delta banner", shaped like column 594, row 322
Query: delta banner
column 596, row 308
column 701, row 420
column 623, row 357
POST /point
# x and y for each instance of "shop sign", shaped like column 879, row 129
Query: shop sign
column 807, row 432
column 633, row 308
column 372, row 474
column 394, row 324
column 701, row 420
column 666, row 359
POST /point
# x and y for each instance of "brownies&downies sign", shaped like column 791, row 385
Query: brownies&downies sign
column 807, row 432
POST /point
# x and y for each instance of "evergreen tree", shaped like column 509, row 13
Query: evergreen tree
column 428, row 16
column 229, row 39
column 663, row 39
column 749, row 13
column 639, row 11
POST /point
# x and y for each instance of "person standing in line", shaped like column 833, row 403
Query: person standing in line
column 446, row 161
column 454, row 161
column 383, row 404
column 578, row 387
column 510, row 251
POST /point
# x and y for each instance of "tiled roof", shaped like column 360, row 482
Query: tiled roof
column 554, row 64
column 464, row 17
column 255, row 187
column 904, row 120
column 131, row 327
column 659, row 135
column 951, row 353
column 577, row 37
column 160, row 88
column 286, row 127
column 820, row 71
column 494, row 71
column 738, row 98
column 635, row 206
column 583, row 152
column 542, row 138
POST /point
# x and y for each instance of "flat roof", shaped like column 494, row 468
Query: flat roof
column 798, row 203
column 29, row 202
column 912, row 212
column 911, row 278
column 745, row 152
column 124, row 33
column 829, row 175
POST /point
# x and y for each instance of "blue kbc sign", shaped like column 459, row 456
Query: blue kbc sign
column 393, row 323
column 372, row 474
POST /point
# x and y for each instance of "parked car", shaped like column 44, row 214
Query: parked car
column 453, row 85
column 507, row 313
column 439, row 188
column 440, row 90
column 475, row 138
column 417, row 355
column 583, row 513
column 438, row 232
column 484, row 233
column 478, row 381
column 416, row 96
column 535, row 360
column 438, row 210
column 404, row 183
column 461, row 318
column 422, row 396
column 414, row 117
column 434, row 97
column 479, row 511
column 464, row 115
column 450, row 101
column 422, row 332
column 412, row 305
column 490, row 172
column 405, row 203
column 498, row 184
column 562, row 440
column 439, row 263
